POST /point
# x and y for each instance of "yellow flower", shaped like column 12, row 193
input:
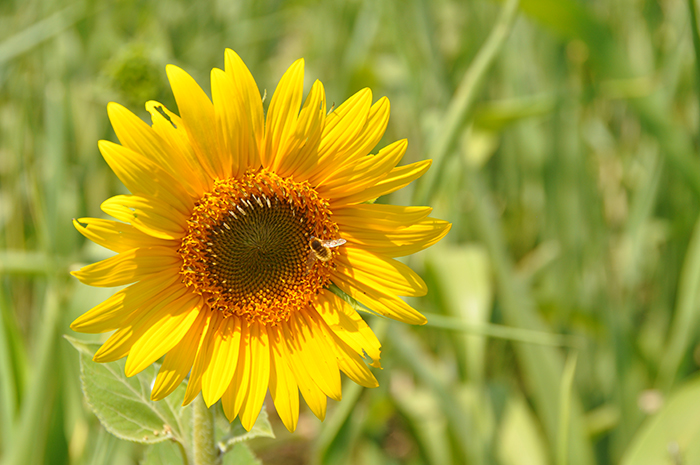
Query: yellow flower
column 237, row 226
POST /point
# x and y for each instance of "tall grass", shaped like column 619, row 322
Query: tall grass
column 565, row 138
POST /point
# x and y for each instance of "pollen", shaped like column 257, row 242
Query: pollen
column 246, row 250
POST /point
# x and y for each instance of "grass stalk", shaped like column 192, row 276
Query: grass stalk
column 565, row 393
column 462, row 103
column 497, row 331
column 692, row 7
column 685, row 319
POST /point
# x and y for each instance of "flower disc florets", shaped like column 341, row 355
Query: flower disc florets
column 246, row 250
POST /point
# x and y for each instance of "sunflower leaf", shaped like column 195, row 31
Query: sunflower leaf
column 123, row 404
column 241, row 455
column 163, row 453
column 236, row 434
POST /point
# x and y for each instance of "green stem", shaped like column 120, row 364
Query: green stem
column 205, row 450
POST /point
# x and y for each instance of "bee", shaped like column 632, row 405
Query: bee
column 321, row 250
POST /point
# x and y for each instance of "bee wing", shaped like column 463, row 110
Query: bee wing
column 334, row 242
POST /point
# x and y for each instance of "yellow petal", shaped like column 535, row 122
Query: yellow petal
column 197, row 113
column 119, row 344
column 384, row 273
column 184, row 164
column 380, row 302
column 252, row 102
column 128, row 267
column 194, row 385
column 301, row 158
column 307, row 343
column 282, row 116
column 138, row 136
column 148, row 214
column 364, row 174
column 398, row 178
column 117, row 236
column 283, row 387
column 373, row 131
column 367, row 138
column 112, row 313
column 141, row 176
column 259, row 376
column 313, row 395
column 399, row 242
column 353, row 366
column 378, row 217
column 345, row 123
column 231, row 122
column 345, row 323
column 174, row 322
column 178, row 362
column 222, row 365
column 320, row 336
column 233, row 398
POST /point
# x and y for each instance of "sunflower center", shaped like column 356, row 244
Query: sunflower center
column 247, row 248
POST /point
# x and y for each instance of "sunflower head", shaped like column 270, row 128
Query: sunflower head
column 247, row 248
column 237, row 227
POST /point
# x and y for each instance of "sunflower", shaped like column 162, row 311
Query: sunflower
column 239, row 235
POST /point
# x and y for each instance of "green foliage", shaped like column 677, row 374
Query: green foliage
column 124, row 408
column 673, row 435
column 565, row 138
column 123, row 404
column 136, row 76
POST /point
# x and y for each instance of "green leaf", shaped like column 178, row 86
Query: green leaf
column 495, row 115
column 673, row 433
column 234, row 433
column 520, row 439
column 685, row 317
column 241, row 455
column 466, row 284
column 39, row 32
column 163, row 453
column 478, row 145
column 422, row 410
column 235, row 452
column 568, row 18
column 123, row 404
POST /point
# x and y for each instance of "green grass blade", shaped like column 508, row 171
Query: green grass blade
column 39, row 32
column 407, row 348
column 565, row 393
column 13, row 365
column 497, row 331
column 686, row 316
column 24, row 262
column 695, row 34
column 542, row 366
column 31, row 424
column 463, row 102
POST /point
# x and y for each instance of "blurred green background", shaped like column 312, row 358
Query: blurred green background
column 564, row 303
